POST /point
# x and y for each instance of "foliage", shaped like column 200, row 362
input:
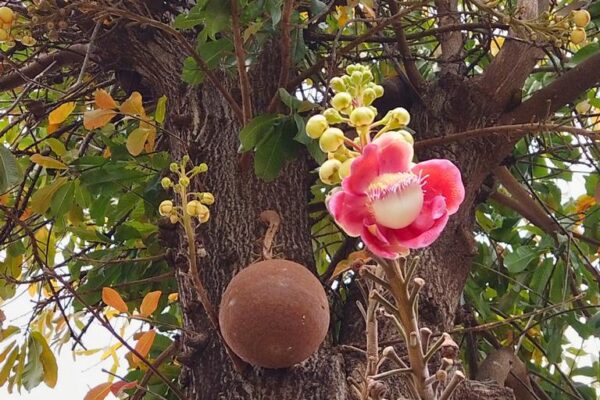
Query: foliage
column 82, row 158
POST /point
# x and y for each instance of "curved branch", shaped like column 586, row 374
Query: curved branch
column 68, row 56
column 559, row 92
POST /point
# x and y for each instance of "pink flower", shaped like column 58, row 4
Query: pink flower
column 392, row 204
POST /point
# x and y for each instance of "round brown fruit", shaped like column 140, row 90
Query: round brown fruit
column 274, row 314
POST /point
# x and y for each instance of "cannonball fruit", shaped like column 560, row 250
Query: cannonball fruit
column 274, row 314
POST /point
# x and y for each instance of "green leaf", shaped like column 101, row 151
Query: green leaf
column 213, row 51
column 62, row 200
column 42, row 198
column 10, row 173
column 161, row 109
column 191, row 73
column 33, row 374
column 274, row 150
column 518, row 260
column 192, row 18
column 585, row 52
column 56, row 146
column 257, row 130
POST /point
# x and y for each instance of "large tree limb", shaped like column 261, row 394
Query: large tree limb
column 561, row 91
column 451, row 41
column 510, row 68
column 71, row 55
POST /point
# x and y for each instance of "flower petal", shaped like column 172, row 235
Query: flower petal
column 414, row 238
column 349, row 211
column 375, row 239
column 443, row 178
column 364, row 169
column 395, row 154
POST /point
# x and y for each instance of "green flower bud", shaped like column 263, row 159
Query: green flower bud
column 195, row 208
column 333, row 116
column 331, row 140
column 337, row 84
column 369, row 96
column 344, row 170
column 350, row 69
column 367, row 77
column 378, row 90
column 207, row 198
column 357, row 77
column 316, row 125
column 202, row 168
column 184, row 181
column 362, row 116
column 341, row 101
column 166, row 183
column 402, row 135
column 329, row 172
column 174, row 167
column 397, row 118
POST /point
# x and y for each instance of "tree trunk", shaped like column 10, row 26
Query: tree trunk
column 200, row 123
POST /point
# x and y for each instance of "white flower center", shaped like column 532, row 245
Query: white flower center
column 396, row 199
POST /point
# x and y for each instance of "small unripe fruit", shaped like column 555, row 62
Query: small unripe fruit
column 333, row 116
column 174, row 167
column 207, row 198
column 362, row 116
column 329, row 171
column 578, row 36
column 581, row 18
column 6, row 14
column 345, row 168
column 184, row 181
column 165, row 208
column 331, row 139
column 202, row 168
column 166, row 182
column 337, row 84
column 316, row 125
column 341, row 101
column 274, row 314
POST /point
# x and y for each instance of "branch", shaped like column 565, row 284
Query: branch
column 169, row 352
column 559, row 92
column 413, row 74
column 512, row 65
column 516, row 131
column 68, row 56
column 286, row 47
column 452, row 41
column 240, row 56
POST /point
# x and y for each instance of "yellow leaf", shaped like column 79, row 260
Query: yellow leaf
column 143, row 346
column 97, row 118
column 40, row 201
column 112, row 298
column 173, row 297
column 87, row 352
column 497, row 42
column 136, row 141
column 48, row 360
column 150, row 303
column 98, row 392
column 47, row 162
column 51, row 128
column 133, row 105
column 61, row 113
column 8, row 365
column 104, row 100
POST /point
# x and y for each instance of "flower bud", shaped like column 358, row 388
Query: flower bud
column 331, row 140
column 578, row 36
column 207, row 198
column 316, row 125
column 401, row 135
column 173, row 218
column 357, row 77
column 329, row 172
column 378, row 90
column 581, row 18
column 184, row 181
column 397, row 118
column 165, row 208
column 174, row 167
column 369, row 96
column 202, row 168
column 583, row 107
column 341, row 101
column 204, row 216
column 367, row 77
column 344, row 170
column 362, row 116
column 195, row 209
column 166, row 182
column 333, row 116
column 350, row 69
column 337, row 84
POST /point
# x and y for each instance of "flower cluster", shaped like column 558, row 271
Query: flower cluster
column 10, row 32
column 393, row 204
column 194, row 204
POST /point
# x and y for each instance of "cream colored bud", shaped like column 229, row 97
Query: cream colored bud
column 329, row 171
column 165, row 208
column 331, row 140
column 316, row 125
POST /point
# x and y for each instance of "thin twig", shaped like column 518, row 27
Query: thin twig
column 240, row 56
